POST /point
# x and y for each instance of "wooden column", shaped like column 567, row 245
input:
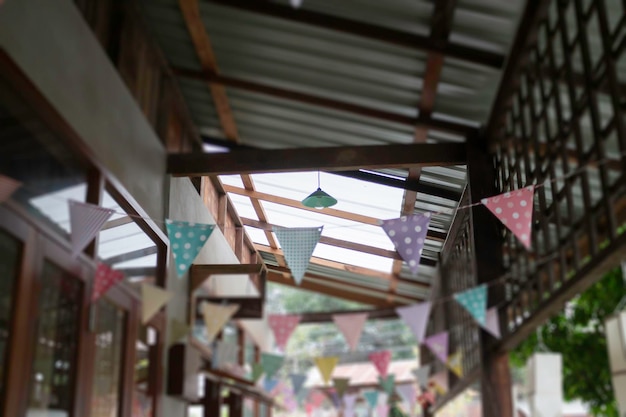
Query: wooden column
column 235, row 402
column 486, row 230
column 212, row 398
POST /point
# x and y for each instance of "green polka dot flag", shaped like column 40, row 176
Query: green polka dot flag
column 475, row 302
column 298, row 245
column 186, row 241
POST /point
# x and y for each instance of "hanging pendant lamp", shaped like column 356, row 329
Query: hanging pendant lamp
column 318, row 198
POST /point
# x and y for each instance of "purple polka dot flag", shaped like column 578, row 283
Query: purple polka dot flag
column 186, row 239
column 474, row 301
column 282, row 326
column 86, row 220
column 298, row 244
column 416, row 317
column 438, row 344
column 408, row 234
column 515, row 210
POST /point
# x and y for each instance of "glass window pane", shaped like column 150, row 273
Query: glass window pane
column 10, row 251
column 57, row 324
column 110, row 322
column 144, row 389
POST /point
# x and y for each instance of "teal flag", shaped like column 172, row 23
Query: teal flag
column 186, row 240
column 271, row 364
column 387, row 383
column 298, row 245
column 371, row 397
column 475, row 302
column 257, row 371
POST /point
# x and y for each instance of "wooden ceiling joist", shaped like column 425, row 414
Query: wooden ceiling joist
column 366, row 30
column 372, row 250
column 255, row 87
column 249, row 161
column 327, row 316
column 200, row 273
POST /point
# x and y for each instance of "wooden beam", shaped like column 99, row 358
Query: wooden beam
column 332, row 291
column 202, row 44
column 200, row 273
column 249, row 308
column 327, row 317
column 372, row 250
column 249, row 161
column 139, row 253
column 366, row 30
column 255, row 87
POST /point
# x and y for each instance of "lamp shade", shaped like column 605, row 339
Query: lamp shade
column 319, row 199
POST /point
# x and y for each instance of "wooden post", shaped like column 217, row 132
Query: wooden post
column 486, row 230
column 212, row 398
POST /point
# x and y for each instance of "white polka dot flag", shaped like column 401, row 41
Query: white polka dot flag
column 186, row 240
column 408, row 234
column 421, row 375
column 455, row 363
column 492, row 322
column 297, row 381
column 106, row 277
column 438, row 344
column 7, row 187
column 271, row 363
column 381, row 361
column 351, row 326
column 326, row 366
column 86, row 220
column 216, row 316
column 515, row 210
column 298, row 244
column 152, row 299
column 283, row 326
column 474, row 301
column 416, row 317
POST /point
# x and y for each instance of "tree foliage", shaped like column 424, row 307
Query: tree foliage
column 578, row 334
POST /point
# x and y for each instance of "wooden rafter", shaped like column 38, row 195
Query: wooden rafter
column 327, row 316
column 229, row 81
column 366, row 30
column 312, row 159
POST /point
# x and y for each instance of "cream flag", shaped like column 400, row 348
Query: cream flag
column 216, row 316
column 152, row 299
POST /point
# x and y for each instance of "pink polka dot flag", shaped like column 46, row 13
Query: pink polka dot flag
column 381, row 361
column 515, row 210
column 408, row 234
column 351, row 326
column 283, row 326
column 105, row 278
column 438, row 344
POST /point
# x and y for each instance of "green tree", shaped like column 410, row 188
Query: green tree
column 578, row 334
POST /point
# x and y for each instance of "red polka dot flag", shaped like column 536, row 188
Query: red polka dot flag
column 106, row 277
column 515, row 210
column 381, row 361
column 283, row 326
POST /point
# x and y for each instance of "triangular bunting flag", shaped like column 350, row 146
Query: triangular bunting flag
column 515, row 210
column 7, row 187
column 455, row 363
column 271, row 363
column 408, row 234
column 440, row 381
column 326, row 366
column 257, row 371
column 269, row 384
column 351, row 326
column 383, row 397
column 86, row 220
column 421, row 374
column 438, row 344
column 334, row 398
column 297, row 380
column 382, row 410
column 186, row 239
column 349, row 400
column 282, row 326
column 105, row 278
column 416, row 317
column 225, row 352
column 475, row 302
column 387, row 383
column 216, row 316
column 152, row 299
column 492, row 322
column 298, row 245
column 371, row 397
column 408, row 393
column 177, row 330
column 381, row 361
column 341, row 385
